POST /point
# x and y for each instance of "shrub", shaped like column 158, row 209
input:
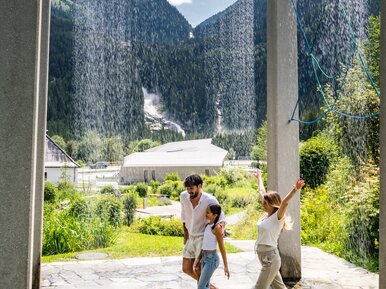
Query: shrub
column 232, row 176
column 259, row 151
column 154, row 186
column 109, row 189
column 127, row 190
column 166, row 189
column 157, row 226
column 320, row 223
column 172, row 227
column 172, row 177
column 212, row 189
column 221, row 197
column 80, row 208
column 50, row 192
column 179, row 188
column 142, row 189
column 215, row 180
column 62, row 232
column 241, row 201
column 246, row 229
column 67, row 190
column 109, row 208
column 363, row 220
column 316, row 155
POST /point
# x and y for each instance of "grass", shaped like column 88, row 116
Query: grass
column 135, row 245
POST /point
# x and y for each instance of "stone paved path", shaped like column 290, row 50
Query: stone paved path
column 320, row 271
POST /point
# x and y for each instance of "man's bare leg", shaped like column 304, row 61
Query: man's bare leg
column 187, row 268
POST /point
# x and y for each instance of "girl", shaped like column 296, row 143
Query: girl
column 208, row 256
column 269, row 227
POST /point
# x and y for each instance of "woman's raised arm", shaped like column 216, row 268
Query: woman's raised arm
column 284, row 203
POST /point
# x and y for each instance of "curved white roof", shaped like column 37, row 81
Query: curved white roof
column 184, row 153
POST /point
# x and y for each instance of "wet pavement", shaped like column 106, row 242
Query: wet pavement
column 320, row 271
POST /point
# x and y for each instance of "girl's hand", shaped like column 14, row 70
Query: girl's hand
column 196, row 265
column 226, row 271
column 299, row 184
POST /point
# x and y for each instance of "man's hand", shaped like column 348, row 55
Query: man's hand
column 222, row 226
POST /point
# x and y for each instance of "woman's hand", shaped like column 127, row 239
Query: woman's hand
column 299, row 184
column 258, row 174
column 196, row 265
column 226, row 271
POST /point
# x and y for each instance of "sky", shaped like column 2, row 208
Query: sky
column 196, row 11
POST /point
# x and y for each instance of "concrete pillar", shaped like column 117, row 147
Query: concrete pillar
column 41, row 141
column 283, row 137
column 382, row 203
column 24, row 27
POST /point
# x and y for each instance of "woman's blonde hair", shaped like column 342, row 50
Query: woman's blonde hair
column 273, row 198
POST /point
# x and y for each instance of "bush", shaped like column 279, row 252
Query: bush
column 154, row 186
column 259, row 151
column 141, row 189
column 109, row 189
column 50, row 192
column 232, row 176
column 316, row 155
column 320, row 223
column 215, row 180
column 212, row 189
column 128, row 190
column 157, row 226
column 109, row 208
column 67, row 190
column 221, row 197
column 80, row 208
column 172, row 177
column 241, row 201
column 130, row 205
column 166, row 189
column 246, row 229
column 363, row 221
column 62, row 232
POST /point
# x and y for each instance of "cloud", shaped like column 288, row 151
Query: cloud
column 179, row 2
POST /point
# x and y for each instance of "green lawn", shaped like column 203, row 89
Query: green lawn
column 135, row 245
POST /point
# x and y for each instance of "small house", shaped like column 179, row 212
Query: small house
column 58, row 165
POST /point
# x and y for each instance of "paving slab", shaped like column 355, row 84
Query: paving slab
column 319, row 269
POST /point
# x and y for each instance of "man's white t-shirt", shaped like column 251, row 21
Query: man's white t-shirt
column 195, row 218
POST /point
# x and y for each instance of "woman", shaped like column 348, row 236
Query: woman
column 269, row 227
column 209, row 258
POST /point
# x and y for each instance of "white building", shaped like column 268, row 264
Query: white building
column 58, row 164
column 184, row 158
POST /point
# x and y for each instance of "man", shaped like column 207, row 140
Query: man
column 194, row 202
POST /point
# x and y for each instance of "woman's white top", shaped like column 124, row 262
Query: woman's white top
column 210, row 241
column 268, row 230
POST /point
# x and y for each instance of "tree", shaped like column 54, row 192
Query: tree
column 113, row 149
column 259, row 151
column 90, row 147
column 59, row 141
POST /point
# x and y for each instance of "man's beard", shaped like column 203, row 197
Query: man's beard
column 194, row 195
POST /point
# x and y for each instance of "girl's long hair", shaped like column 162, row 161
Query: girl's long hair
column 215, row 209
column 273, row 198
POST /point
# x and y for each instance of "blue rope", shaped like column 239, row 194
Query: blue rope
column 314, row 60
column 301, row 27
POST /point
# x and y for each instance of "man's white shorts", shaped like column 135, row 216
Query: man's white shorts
column 192, row 248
